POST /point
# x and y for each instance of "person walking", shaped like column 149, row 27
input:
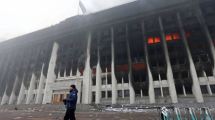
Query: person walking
column 70, row 103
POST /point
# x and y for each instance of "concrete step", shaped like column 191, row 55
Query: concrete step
column 47, row 107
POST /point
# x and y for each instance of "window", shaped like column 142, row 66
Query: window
column 163, row 76
column 157, row 92
column 168, row 37
column 93, row 96
column 125, row 78
column 185, row 74
column 179, row 89
column 104, row 81
column 212, row 88
column 165, row 91
column 204, row 89
column 94, row 81
column 109, row 94
column 209, row 72
column 119, row 93
column 126, row 93
column 137, row 93
column 155, row 76
column 103, row 94
column 188, row 88
column 172, row 36
column 61, row 97
column 109, row 79
column 153, row 40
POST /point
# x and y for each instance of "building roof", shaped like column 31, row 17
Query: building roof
column 81, row 22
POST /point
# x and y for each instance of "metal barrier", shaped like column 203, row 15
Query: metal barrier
column 186, row 114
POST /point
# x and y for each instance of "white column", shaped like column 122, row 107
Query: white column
column 208, row 35
column 39, row 98
column 170, row 77
column 87, row 75
column 123, row 88
column 141, row 93
column 184, row 90
column 98, row 83
column 196, row 86
column 21, row 93
column 58, row 75
column 208, row 84
column 13, row 97
column 98, row 76
column 161, row 86
column 50, row 75
column 78, row 73
column 31, row 89
column 64, row 74
column 131, row 88
column 70, row 72
column 5, row 97
column 78, row 84
column 106, row 83
column 113, row 77
column 151, row 91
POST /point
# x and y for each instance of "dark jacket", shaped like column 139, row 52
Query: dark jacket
column 71, row 100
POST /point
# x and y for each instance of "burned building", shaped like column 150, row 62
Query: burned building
column 143, row 52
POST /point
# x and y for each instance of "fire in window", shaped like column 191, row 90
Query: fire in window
column 153, row 40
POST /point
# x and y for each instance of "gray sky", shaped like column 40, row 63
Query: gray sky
column 18, row 17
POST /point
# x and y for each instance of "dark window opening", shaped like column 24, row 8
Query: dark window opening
column 165, row 91
column 209, row 72
column 212, row 88
column 157, row 92
column 103, row 94
column 185, row 74
column 155, row 76
column 126, row 93
column 94, row 81
column 103, row 80
column 145, row 91
column 119, row 93
column 204, row 89
column 109, row 94
column 179, row 89
column 109, row 79
column 93, row 97
column 163, row 76
column 137, row 93
column 188, row 88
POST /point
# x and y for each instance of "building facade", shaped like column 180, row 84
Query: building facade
column 144, row 52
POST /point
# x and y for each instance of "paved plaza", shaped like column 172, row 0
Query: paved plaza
column 26, row 115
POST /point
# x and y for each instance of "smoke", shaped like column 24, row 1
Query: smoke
column 97, row 5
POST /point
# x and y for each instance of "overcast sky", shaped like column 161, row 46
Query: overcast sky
column 18, row 17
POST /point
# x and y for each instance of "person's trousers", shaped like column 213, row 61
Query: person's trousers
column 70, row 114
